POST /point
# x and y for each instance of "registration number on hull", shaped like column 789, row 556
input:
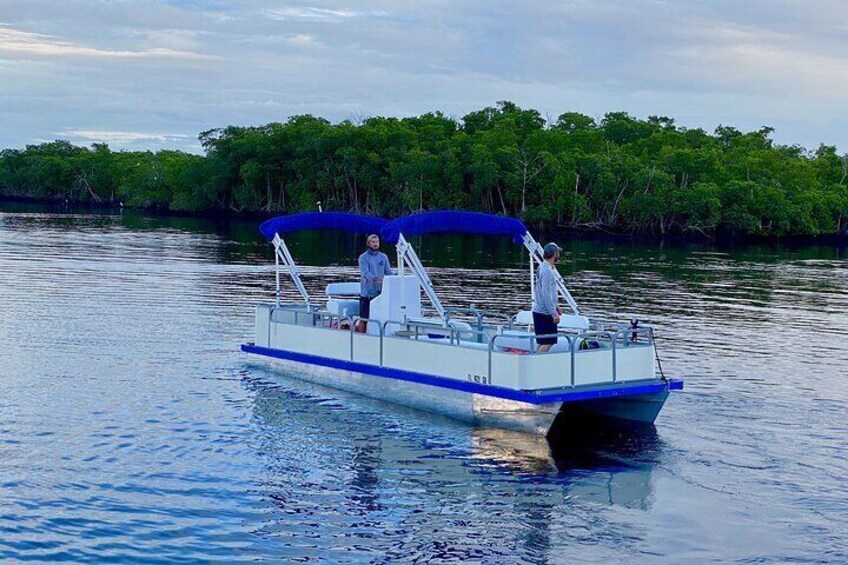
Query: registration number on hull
column 479, row 379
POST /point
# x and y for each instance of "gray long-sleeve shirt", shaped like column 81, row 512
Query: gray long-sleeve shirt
column 545, row 291
column 373, row 264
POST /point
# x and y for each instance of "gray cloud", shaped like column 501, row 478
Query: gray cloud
column 154, row 74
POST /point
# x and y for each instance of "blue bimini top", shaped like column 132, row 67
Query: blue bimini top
column 451, row 221
column 322, row 221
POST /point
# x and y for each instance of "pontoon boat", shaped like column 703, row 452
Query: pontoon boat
column 472, row 365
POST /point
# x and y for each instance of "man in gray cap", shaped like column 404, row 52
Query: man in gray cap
column 373, row 266
column 546, row 313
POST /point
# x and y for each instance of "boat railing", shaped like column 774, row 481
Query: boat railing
column 625, row 336
column 455, row 335
column 480, row 316
column 573, row 340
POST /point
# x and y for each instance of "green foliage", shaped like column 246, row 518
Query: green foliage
column 620, row 173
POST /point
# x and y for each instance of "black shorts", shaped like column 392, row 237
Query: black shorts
column 365, row 306
column 543, row 324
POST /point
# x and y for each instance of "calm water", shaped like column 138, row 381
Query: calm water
column 132, row 430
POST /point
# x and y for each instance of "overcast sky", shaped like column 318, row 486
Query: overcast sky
column 153, row 74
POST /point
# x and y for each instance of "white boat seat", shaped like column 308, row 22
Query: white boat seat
column 343, row 308
column 574, row 322
column 525, row 318
column 516, row 339
column 343, row 289
column 463, row 330
column 560, row 346
column 519, row 340
column 435, row 337
column 474, row 345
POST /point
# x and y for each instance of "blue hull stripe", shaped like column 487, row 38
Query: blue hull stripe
column 530, row 397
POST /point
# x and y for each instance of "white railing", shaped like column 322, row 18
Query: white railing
column 627, row 336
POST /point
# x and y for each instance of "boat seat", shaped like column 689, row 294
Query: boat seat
column 519, row 340
column 343, row 289
column 445, row 338
column 463, row 330
column 515, row 339
column 560, row 346
column 474, row 345
column 343, row 308
column 525, row 318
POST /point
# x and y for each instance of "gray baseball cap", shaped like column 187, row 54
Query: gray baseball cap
column 551, row 249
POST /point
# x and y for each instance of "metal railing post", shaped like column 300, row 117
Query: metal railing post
column 491, row 348
column 277, row 276
column 572, row 347
column 352, row 331
column 614, row 340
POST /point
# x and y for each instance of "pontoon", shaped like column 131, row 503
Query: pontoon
column 476, row 366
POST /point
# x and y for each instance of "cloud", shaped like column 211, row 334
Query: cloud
column 121, row 137
column 14, row 41
column 734, row 57
column 200, row 64
column 308, row 13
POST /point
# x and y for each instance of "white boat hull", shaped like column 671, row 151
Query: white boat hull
column 551, row 418
column 476, row 409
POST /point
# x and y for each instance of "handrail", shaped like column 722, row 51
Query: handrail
column 325, row 315
column 628, row 334
column 533, row 338
column 418, row 324
column 625, row 333
column 451, row 331
column 354, row 321
column 480, row 315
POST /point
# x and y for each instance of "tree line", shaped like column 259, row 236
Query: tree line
column 619, row 173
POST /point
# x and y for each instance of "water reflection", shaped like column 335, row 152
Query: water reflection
column 602, row 466
column 621, row 462
column 398, row 483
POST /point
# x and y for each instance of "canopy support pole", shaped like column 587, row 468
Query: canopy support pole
column 407, row 254
column 401, row 272
column 537, row 254
column 277, row 275
column 282, row 254
column 532, row 280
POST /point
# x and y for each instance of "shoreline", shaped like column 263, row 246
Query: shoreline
column 549, row 231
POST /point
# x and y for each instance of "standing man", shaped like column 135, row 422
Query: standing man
column 374, row 266
column 546, row 313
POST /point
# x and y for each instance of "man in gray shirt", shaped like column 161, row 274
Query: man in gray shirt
column 373, row 266
column 546, row 313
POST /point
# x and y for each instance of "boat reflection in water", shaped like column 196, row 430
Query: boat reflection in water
column 610, row 467
column 319, row 440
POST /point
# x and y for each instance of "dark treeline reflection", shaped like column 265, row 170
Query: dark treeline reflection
column 619, row 173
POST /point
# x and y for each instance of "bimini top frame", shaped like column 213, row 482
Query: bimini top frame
column 448, row 221
column 275, row 227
